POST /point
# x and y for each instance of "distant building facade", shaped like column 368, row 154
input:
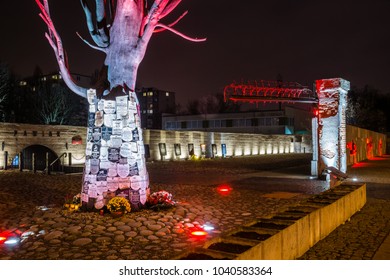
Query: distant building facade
column 153, row 104
column 36, row 92
column 257, row 122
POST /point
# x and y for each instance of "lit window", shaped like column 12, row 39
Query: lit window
column 167, row 94
column 43, row 79
column 54, row 77
column 150, row 93
column 22, row 83
column 150, row 111
column 144, row 94
column 59, row 77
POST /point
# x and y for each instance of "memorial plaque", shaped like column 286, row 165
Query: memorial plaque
column 105, row 164
column 127, row 134
column 112, row 169
column 115, row 141
column 134, row 197
column 96, row 134
column 141, row 147
column 95, row 166
column 101, row 187
column 132, row 102
column 109, row 106
column 106, row 133
column 121, row 105
column 135, row 182
column 108, row 119
column 123, row 170
column 143, row 196
column 91, row 119
column 134, row 147
column 95, row 154
column 92, row 191
column 126, row 150
column 135, row 134
column 102, row 175
column 88, row 149
column 124, row 183
column 90, row 178
column 91, row 95
column 87, row 167
column 103, row 153
column 112, row 185
column 92, row 108
column 99, row 118
column 133, row 169
column 113, row 154
column 117, row 126
column 100, row 105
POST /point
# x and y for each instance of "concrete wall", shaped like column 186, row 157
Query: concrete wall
column 15, row 137
column 236, row 144
column 368, row 143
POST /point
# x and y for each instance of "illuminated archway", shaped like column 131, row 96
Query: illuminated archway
column 41, row 160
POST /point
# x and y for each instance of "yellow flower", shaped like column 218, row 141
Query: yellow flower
column 119, row 203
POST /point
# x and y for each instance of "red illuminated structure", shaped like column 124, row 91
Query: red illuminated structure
column 269, row 91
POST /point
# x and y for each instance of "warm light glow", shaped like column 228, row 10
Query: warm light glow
column 199, row 233
column 224, row 190
column 2, row 239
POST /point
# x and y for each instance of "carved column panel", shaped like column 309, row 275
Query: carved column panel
column 332, row 95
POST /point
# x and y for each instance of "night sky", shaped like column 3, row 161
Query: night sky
column 303, row 40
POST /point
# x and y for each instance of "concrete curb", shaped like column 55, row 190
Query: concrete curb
column 289, row 234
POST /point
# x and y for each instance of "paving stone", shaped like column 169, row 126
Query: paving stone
column 82, row 241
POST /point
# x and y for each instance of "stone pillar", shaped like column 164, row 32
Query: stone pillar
column 332, row 102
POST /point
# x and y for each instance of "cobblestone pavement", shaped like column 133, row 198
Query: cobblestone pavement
column 261, row 185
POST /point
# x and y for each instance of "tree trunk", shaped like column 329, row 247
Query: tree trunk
column 115, row 154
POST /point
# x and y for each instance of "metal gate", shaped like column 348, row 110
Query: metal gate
column 40, row 157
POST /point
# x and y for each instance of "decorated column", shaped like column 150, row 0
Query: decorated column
column 115, row 155
column 329, row 129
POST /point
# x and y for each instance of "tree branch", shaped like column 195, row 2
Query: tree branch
column 90, row 45
column 171, row 24
column 181, row 34
column 56, row 43
column 169, row 8
column 98, row 35
column 151, row 19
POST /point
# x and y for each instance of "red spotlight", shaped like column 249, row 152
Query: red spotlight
column 198, row 232
column 224, row 190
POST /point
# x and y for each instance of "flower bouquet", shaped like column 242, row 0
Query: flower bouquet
column 160, row 199
column 118, row 206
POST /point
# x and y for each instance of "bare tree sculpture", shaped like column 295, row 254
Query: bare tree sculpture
column 115, row 162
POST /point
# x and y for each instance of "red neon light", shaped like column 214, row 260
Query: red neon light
column 224, row 190
column 198, row 232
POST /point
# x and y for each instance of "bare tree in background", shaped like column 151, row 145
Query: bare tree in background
column 5, row 80
column 122, row 30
